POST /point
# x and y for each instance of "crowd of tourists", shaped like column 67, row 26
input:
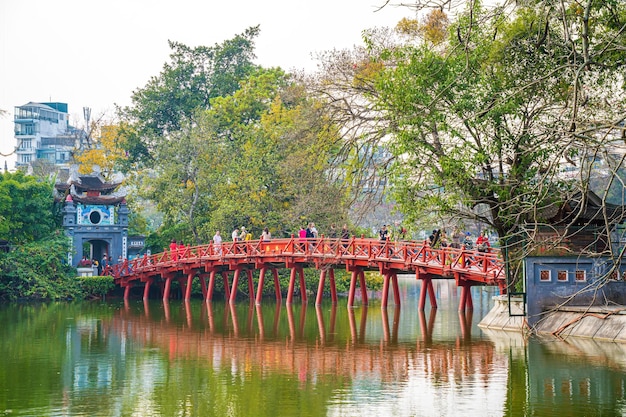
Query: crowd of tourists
column 437, row 239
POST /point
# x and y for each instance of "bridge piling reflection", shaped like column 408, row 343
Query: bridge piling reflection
column 308, row 347
column 396, row 325
column 427, row 328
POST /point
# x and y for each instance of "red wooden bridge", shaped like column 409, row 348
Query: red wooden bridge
column 356, row 255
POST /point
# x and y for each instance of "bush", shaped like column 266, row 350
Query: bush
column 39, row 271
column 96, row 286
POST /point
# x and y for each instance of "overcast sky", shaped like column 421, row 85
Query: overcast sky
column 94, row 53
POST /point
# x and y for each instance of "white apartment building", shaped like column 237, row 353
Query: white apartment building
column 42, row 131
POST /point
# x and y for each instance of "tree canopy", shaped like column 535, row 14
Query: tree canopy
column 498, row 113
column 187, row 83
column 27, row 211
column 248, row 149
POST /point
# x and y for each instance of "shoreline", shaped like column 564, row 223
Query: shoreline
column 606, row 323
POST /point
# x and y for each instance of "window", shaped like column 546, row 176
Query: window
column 580, row 276
column 26, row 144
column 562, row 276
column 544, row 275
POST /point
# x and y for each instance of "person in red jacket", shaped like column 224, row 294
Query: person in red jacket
column 482, row 242
column 174, row 250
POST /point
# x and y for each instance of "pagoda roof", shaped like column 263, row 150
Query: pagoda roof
column 88, row 183
column 99, row 200
column 91, row 189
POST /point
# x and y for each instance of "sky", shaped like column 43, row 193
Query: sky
column 95, row 53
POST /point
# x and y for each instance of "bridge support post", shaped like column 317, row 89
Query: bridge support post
column 363, row 286
column 211, row 287
column 386, row 279
column 127, row 291
column 427, row 288
column 465, row 303
column 250, row 284
column 166, row 289
column 320, row 288
column 233, row 291
column 146, row 289
column 259, row 290
column 333, row 286
column 202, row 278
column 292, row 284
column 352, row 288
column 188, row 285
column 226, row 285
column 302, row 284
column 279, row 296
column 396, row 290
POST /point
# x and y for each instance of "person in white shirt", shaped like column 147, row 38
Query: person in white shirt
column 217, row 243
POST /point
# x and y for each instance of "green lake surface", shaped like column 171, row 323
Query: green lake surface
column 138, row 358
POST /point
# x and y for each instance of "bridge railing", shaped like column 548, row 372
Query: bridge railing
column 402, row 254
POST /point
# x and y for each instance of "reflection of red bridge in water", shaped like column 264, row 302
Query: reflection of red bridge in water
column 357, row 255
column 224, row 337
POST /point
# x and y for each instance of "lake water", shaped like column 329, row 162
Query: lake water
column 196, row 359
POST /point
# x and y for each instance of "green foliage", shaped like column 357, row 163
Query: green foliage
column 493, row 118
column 186, row 84
column 246, row 162
column 26, row 208
column 96, row 286
column 39, row 270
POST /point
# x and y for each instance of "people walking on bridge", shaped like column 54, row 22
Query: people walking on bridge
column 345, row 233
column 181, row 249
column 434, row 239
column 482, row 242
column 383, row 233
column 332, row 232
column 302, row 235
column 345, row 236
column 173, row 250
column 217, row 243
column 235, row 234
column 400, row 232
column 443, row 239
column 266, row 236
column 468, row 242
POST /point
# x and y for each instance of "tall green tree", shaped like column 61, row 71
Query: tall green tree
column 279, row 165
column 258, row 158
column 186, row 84
column 26, row 208
column 494, row 115
column 485, row 124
